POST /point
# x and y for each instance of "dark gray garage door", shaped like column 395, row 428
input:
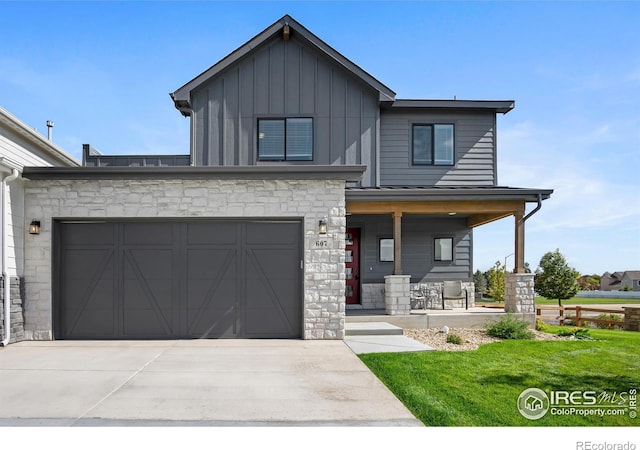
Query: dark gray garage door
column 195, row 279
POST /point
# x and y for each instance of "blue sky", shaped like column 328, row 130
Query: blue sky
column 102, row 72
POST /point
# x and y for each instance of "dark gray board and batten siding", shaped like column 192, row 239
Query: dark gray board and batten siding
column 474, row 159
column 286, row 79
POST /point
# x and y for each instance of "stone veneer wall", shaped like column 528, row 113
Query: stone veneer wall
column 312, row 200
column 17, row 318
column 372, row 296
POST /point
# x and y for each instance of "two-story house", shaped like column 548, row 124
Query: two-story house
column 310, row 189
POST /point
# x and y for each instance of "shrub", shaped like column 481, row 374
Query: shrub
column 578, row 333
column 609, row 316
column 541, row 326
column 454, row 339
column 510, row 327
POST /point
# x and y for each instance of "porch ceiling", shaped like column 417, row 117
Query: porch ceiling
column 476, row 212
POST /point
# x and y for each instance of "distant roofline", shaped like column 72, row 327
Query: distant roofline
column 181, row 97
column 498, row 106
column 36, row 138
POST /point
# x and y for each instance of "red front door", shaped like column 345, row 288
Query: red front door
column 352, row 262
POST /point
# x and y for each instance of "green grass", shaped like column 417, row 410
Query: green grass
column 587, row 301
column 481, row 387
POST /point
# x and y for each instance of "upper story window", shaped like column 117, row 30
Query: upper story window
column 285, row 139
column 433, row 144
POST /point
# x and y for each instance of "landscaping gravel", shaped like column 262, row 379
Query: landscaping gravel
column 473, row 338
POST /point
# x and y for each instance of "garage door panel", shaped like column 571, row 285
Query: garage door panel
column 89, row 294
column 199, row 233
column 214, row 323
column 272, row 306
column 273, row 232
column 211, row 263
column 87, row 234
column 148, row 234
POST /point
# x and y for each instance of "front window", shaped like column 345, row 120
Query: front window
column 386, row 250
column 443, row 249
column 433, row 144
column 285, row 139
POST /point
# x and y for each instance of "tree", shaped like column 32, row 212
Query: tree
column 480, row 282
column 495, row 277
column 589, row 282
column 554, row 278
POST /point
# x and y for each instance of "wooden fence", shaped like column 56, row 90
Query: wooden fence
column 579, row 318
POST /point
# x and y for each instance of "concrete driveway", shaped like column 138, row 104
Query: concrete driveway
column 199, row 382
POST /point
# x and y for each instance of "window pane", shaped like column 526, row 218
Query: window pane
column 443, row 137
column 422, row 144
column 444, row 249
column 386, row 250
column 300, row 139
column 271, row 140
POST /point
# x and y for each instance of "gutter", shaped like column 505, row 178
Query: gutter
column 6, row 281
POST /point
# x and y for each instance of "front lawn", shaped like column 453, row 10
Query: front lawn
column 587, row 301
column 481, row 387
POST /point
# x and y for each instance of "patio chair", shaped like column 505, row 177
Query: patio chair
column 418, row 297
column 453, row 290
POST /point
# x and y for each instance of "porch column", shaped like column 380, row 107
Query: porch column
column 519, row 242
column 397, row 242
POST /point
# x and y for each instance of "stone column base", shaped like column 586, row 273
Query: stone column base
column 396, row 294
column 631, row 318
column 518, row 293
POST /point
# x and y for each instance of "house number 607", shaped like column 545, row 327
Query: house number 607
column 321, row 244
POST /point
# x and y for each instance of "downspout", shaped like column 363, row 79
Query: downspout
column 537, row 208
column 6, row 282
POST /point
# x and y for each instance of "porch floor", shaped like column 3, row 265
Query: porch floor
column 476, row 317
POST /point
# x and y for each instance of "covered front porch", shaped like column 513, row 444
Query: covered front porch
column 399, row 239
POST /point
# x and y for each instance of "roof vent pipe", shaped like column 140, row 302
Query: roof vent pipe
column 49, row 129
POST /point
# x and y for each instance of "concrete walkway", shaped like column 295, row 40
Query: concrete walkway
column 199, row 382
column 379, row 337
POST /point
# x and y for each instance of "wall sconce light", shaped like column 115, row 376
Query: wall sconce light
column 322, row 226
column 34, row 227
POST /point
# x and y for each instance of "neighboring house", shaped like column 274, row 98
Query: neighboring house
column 20, row 146
column 617, row 281
column 310, row 189
column 631, row 279
column 610, row 281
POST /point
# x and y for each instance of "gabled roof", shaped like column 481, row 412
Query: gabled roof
column 36, row 139
column 182, row 96
column 632, row 274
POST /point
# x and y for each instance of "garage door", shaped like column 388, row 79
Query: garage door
column 194, row 279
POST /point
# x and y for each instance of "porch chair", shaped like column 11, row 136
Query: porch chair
column 418, row 297
column 452, row 290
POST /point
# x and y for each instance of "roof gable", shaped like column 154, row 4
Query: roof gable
column 286, row 25
column 37, row 143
